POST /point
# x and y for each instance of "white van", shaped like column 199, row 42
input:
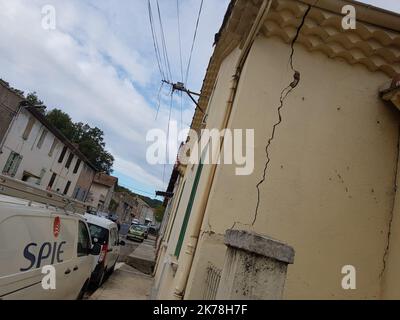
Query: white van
column 104, row 232
column 33, row 236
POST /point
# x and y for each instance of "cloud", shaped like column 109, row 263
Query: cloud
column 99, row 66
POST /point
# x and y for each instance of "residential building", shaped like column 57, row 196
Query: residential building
column 101, row 191
column 144, row 212
column 10, row 100
column 34, row 151
column 124, row 206
column 325, row 139
column 128, row 206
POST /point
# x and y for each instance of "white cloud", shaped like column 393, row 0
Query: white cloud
column 99, row 66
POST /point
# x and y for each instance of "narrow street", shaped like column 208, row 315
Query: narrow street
column 128, row 282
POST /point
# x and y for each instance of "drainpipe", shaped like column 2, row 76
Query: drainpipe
column 195, row 233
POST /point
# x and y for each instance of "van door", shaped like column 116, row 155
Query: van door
column 31, row 239
column 113, row 249
column 82, row 266
column 68, row 227
column 117, row 246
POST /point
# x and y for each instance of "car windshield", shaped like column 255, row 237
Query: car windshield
column 98, row 233
column 137, row 228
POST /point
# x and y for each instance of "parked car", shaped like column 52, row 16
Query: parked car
column 32, row 236
column 136, row 232
column 105, row 233
column 146, row 230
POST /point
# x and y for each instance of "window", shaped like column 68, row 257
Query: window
column 28, row 128
column 98, row 234
column 42, row 173
column 67, row 187
column 69, row 161
column 52, row 180
column 53, row 147
column 62, row 155
column 78, row 163
column 83, row 240
column 41, row 140
column 76, row 192
column 12, row 164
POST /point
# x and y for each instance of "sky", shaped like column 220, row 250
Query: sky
column 99, row 66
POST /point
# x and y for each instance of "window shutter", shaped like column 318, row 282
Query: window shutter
column 7, row 167
column 15, row 165
column 28, row 128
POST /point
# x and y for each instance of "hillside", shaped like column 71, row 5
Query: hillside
column 153, row 203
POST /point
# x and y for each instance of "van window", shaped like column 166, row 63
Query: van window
column 83, row 240
column 98, row 233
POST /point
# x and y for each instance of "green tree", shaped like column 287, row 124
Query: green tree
column 159, row 213
column 91, row 143
column 34, row 100
column 63, row 122
column 90, row 140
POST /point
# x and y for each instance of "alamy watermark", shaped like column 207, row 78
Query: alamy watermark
column 349, row 280
column 49, row 280
column 349, row 21
column 230, row 147
column 49, row 17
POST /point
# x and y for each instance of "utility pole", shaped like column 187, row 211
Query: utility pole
column 179, row 86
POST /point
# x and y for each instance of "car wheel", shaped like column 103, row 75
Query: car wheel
column 83, row 290
column 111, row 271
column 100, row 278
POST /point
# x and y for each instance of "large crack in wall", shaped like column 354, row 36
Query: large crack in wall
column 389, row 234
column 284, row 94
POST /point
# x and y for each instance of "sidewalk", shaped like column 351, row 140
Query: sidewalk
column 143, row 258
column 126, row 283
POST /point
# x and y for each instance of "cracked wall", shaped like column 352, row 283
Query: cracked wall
column 329, row 191
column 391, row 259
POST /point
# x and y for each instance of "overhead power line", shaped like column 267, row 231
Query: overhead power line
column 180, row 38
column 180, row 57
column 155, row 41
column 164, row 43
column 194, row 41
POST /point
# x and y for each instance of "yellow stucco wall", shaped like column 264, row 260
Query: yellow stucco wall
column 218, row 107
column 330, row 185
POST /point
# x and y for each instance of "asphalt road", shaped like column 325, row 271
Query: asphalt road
column 127, row 249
